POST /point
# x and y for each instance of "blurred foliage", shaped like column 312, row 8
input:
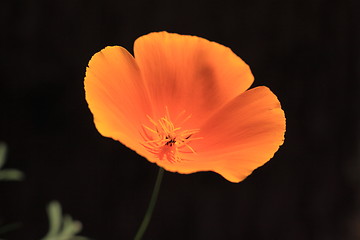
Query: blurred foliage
column 61, row 227
column 8, row 174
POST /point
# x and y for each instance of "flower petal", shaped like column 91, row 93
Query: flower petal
column 239, row 138
column 189, row 73
column 116, row 97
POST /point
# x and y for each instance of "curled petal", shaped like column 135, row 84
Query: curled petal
column 240, row 137
column 189, row 73
column 116, row 96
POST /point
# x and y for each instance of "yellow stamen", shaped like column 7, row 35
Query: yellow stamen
column 166, row 141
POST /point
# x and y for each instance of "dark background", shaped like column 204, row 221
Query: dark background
column 306, row 51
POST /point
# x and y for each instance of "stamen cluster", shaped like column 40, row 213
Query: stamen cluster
column 166, row 141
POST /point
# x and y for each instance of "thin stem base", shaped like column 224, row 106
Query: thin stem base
column 151, row 206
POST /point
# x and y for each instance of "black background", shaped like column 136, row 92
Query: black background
column 306, row 51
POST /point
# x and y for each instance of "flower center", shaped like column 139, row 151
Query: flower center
column 166, row 141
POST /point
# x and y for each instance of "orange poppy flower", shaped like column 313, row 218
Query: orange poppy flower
column 182, row 103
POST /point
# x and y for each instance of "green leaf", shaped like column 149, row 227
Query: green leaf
column 11, row 175
column 3, row 150
column 8, row 174
column 70, row 228
column 55, row 218
column 61, row 227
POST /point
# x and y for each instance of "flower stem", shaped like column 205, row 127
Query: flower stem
column 151, row 206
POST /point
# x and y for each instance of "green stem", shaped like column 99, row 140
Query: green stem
column 151, row 206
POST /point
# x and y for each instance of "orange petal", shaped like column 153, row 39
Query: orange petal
column 116, row 97
column 239, row 138
column 189, row 73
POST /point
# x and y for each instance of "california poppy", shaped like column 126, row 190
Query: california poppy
column 182, row 103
